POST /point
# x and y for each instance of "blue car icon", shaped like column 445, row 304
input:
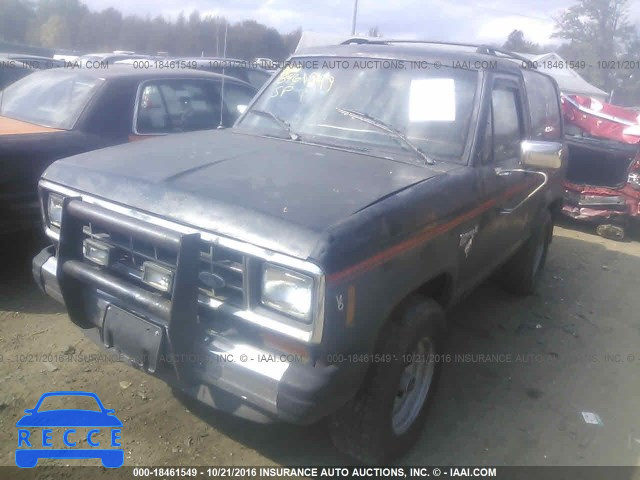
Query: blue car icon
column 68, row 418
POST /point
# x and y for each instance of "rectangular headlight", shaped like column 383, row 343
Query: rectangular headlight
column 287, row 291
column 157, row 276
column 96, row 251
column 54, row 209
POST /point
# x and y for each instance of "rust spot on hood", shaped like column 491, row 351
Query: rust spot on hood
column 11, row 126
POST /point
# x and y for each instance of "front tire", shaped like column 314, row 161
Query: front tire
column 385, row 417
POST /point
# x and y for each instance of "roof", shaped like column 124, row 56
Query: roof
column 7, row 61
column 399, row 50
column 128, row 71
column 35, row 61
column 221, row 62
column 569, row 81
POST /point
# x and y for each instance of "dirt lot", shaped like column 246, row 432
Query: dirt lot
column 573, row 347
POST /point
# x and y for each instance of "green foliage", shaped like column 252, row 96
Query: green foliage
column 69, row 24
column 598, row 32
column 14, row 20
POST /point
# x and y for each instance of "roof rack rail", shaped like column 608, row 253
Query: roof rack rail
column 482, row 49
column 489, row 50
column 363, row 41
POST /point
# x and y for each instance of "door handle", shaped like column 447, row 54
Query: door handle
column 505, row 172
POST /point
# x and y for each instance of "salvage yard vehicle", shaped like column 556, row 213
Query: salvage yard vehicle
column 61, row 112
column 12, row 70
column 106, row 59
column 266, row 63
column 603, row 176
column 298, row 265
column 240, row 69
column 14, row 66
column 35, row 61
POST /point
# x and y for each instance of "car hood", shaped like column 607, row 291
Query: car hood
column 269, row 192
column 69, row 418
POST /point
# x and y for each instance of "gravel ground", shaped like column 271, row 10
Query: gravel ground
column 520, row 373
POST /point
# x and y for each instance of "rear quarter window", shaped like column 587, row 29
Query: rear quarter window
column 544, row 107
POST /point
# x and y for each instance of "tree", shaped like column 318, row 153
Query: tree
column 69, row 24
column 70, row 12
column 110, row 23
column 14, row 20
column 517, row 43
column 627, row 89
column 55, row 33
column 596, row 30
column 292, row 39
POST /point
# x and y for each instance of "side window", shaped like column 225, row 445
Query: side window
column 507, row 124
column 236, row 99
column 543, row 106
column 170, row 106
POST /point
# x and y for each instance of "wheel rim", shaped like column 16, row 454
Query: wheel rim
column 413, row 387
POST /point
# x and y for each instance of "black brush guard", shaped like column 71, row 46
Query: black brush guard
column 179, row 314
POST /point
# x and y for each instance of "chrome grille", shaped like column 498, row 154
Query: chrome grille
column 221, row 272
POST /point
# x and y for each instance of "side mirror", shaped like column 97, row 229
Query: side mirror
column 545, row 155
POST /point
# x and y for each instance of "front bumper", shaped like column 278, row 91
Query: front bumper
column 224, row 370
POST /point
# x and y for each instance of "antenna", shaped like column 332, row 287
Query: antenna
column 224, row 61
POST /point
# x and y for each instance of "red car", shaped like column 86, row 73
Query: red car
column 602, row 183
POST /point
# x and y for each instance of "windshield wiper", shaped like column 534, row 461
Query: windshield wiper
column 363, row 117
column 276, row 119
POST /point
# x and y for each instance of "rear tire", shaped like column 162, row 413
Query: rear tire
column 521, row 273
column 385, row 417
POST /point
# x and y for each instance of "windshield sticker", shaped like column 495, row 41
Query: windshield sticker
column 294, row 79
column 432, row 100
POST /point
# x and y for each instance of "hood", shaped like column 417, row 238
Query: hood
column 11, row 126
column 273, row 193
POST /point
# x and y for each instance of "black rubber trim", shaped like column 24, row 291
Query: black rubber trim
column 307, row 394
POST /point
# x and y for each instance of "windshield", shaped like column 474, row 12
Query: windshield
column 311, row 99
column 52, row 98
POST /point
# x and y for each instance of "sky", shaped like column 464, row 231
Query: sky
column 447, row 20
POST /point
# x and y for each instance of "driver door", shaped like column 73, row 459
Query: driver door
column 500, row 230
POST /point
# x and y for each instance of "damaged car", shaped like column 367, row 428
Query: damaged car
column 299, row 265
column 603, row 175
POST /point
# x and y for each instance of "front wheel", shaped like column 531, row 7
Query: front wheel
column 385, row 417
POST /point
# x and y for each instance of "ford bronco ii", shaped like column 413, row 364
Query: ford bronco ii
column 298, row 265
